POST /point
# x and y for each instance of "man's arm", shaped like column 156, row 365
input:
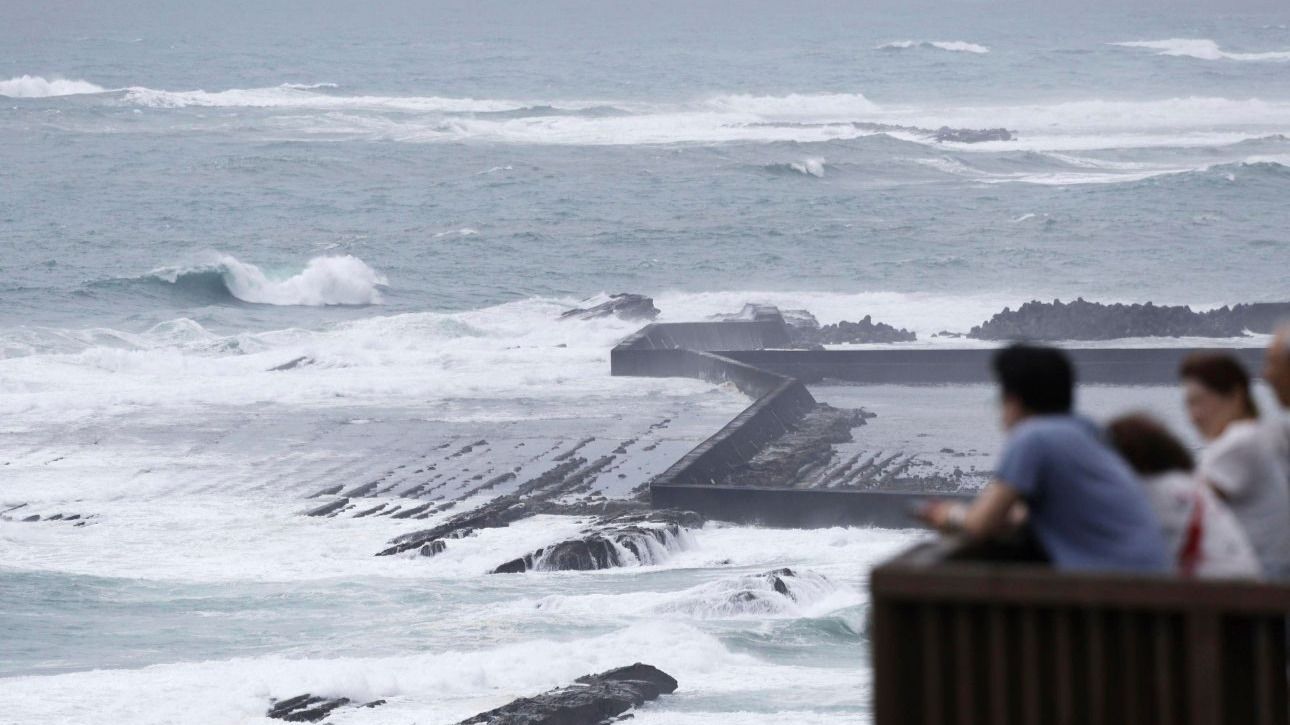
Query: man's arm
column 987, row 515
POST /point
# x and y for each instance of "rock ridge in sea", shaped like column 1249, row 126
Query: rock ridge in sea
column 591, row 700
column 311, row 708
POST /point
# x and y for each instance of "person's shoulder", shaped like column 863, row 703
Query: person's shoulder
column 1052, row 427
column 1242, row 435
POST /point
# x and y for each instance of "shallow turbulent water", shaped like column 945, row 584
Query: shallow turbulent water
column 407, row 200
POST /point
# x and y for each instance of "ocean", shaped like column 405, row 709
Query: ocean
column 407, row 197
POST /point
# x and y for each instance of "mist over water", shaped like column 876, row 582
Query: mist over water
column 397, row 205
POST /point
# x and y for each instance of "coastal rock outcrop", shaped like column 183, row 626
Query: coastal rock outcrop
column 1083, row 320
column 624, row 540
column 592, row 700
column 851, row 333
column 625, row 306
column 805, row 331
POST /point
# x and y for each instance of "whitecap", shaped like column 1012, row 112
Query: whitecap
column 1203, row 49
column 953, row 46
column 38, row 87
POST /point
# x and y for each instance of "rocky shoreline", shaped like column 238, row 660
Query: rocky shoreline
column 1078, row 320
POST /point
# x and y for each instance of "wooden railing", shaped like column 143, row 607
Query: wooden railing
column 963, row 635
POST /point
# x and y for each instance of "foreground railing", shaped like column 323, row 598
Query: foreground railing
column 962, row 636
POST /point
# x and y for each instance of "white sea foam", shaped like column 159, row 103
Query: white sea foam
column 817, row 107
column 429, row 687
column 39, row 87
column 809, row 167
column 307, row 97
column 321, row 110
column 954, row 46
column 1203, row 49
column 338, row 280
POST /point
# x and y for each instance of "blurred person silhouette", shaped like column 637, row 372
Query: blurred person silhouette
column 1084, row 504
column 1202, row 534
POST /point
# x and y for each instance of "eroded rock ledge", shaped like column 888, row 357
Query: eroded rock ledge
column 624, row 305
column 612, row 542
column 593, row 700
column 310, row 708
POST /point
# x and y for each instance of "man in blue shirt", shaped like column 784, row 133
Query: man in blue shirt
column 1084, row 504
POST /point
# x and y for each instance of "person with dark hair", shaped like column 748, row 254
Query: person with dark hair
column 1242, row 461
column 1084, row 505
column 1200, row 530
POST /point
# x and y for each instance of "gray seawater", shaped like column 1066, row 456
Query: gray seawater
column 407, row 196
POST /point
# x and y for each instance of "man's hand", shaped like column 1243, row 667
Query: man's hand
column 943, row 515
column 987, row 515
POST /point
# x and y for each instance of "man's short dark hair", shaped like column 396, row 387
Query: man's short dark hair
column 1040, row 377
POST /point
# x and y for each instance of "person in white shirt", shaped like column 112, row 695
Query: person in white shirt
column 1242, row 462
column 1202, row 533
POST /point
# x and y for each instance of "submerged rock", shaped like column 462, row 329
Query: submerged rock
column 612, row 542
column 310, row 708
column 292, row 364
column 624, row 306
column 498, row 513
column 593, row 700
column 972, row 135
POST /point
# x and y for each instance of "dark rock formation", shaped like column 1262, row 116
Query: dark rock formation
column 603, row 545
column 1261, row 317
column 329, row 509
column 1083, row 320
column 804, row 331
column 625, row 306
column 800, row 454
column 972, row 135
column 843, row 333
column 433, row 548
column 594, row 700
column 292, row 364
column 310, row 708
column 498, row 513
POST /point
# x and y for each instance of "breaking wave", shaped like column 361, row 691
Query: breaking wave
column 340, row 280
column 954, row 46
column 806, row 167
column 1202, row 48
column 39, row 87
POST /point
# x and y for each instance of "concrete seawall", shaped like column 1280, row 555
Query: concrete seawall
column 1108, row 366
column 749, row 354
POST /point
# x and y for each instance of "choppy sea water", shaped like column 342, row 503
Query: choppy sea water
column 408, row 197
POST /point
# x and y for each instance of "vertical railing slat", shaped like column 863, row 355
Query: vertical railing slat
column 933, row 704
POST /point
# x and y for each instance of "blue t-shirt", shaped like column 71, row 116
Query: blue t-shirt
column 1087, row 507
